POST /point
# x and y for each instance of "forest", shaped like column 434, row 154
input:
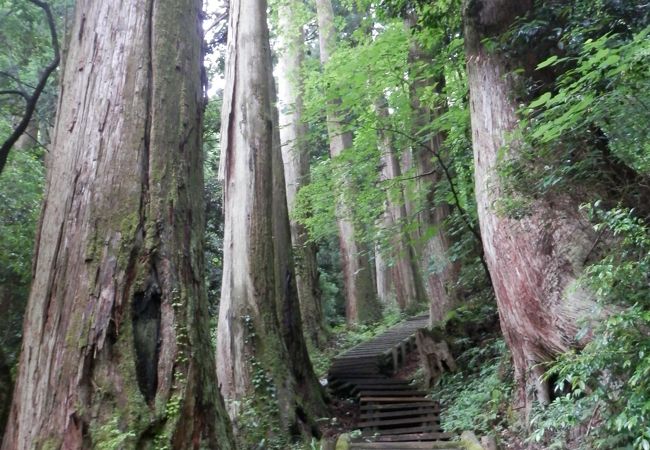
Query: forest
column 325, row 224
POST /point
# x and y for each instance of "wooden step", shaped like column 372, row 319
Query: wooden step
column 398, row 446
column 431, row 418
column 405, row 430
column 412, row 404
column 377, row 381
column 395, row 393
column 399, row 413
column 382, row 387
column 431, row 436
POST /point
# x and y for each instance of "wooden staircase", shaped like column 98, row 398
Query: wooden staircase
column 392, row 413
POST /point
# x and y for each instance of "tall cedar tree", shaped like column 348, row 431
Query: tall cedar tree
column 116, row 342
column 260, row 347
column 534, row 261
column 296, row 164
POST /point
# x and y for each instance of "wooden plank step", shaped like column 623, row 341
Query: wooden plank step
column 405, row 430
column 396, row 446
column 383, row 386
column 431, row 436
column 347, row 358
column 377, row 380
column 394, row 393
column 343, row 376
column 393, row 399
column 345, row 371
column 399, row 413
column 373, row 380
column 431, row 418
column 354, row 366
column 391, row 405
column 358, row 361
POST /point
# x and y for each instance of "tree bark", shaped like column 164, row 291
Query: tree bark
column 441, row 273
column 258, row 285
column 534, row 261
column 435, row 356
column 296, row 166
column 404, row 274
column 384, row 279
column 361, row 303
column 116, row 342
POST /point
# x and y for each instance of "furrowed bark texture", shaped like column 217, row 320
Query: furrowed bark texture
column 116, row 339
column 258, row 285
column 361, row 303
column 403, row 272
column 535, row 261
column 440, row 272
column 296, row 166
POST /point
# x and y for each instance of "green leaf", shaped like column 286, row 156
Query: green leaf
column 548, row 62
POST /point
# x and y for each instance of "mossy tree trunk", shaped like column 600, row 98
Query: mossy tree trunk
column 116, row 348
column 296, row 165
column 440, row 273
column 534, row 261
column 361, row 302
column 261, row 353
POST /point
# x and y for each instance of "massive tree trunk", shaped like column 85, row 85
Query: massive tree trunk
column 253, row 359
column 296, row 166
column 404, row 274
column 116, row 346
column 361, row 303
column 534, row 261
column 440, row 272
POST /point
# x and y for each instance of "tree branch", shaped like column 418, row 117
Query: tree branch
column 15, row 92
column 30, row 107
column 16, row 79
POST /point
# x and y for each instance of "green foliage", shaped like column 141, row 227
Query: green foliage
column 604, row 387
column 608, row 88
column 110, row 436
column 21, row 189
column 584, row 126
column 477, row 397
column 213, row 195
column 377, row 67
column 25, row 49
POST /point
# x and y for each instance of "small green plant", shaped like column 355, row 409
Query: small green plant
column 477, row 397
column 111, row 436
